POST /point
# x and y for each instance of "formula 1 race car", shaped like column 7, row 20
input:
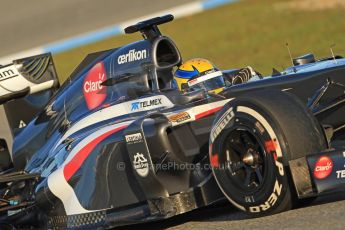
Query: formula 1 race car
column 118, row 145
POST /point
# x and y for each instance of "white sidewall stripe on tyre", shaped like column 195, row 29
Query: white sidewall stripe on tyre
column 264, row 122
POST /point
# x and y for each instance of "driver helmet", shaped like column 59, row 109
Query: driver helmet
column 197, row 74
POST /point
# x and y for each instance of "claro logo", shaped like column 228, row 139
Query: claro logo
column 132, row 55
column 323, row 167
column 94, row 92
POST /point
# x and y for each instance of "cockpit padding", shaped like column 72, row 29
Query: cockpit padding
column 182, row 99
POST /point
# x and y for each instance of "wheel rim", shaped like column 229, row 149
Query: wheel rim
column 245, row 159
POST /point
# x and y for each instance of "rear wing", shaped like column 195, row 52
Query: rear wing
column 26, row 86
column 27, row 76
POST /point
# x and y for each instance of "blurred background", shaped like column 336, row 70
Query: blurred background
column 231, row 34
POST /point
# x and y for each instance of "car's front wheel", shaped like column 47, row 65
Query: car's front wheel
column 252, row 139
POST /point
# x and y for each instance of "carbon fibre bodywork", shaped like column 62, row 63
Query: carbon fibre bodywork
column 117, row 145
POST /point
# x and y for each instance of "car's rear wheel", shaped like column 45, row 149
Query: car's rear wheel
column 252, row 139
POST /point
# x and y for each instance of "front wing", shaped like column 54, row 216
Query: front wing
column 319, row 173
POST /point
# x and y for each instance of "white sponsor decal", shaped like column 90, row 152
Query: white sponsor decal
column 260, row 127
column 132, row 55
column 340, row 174
column 93, row 86
column 22, row 124
column 134, row 138
column 8, row 72
column 327, row 167
column 272, row 199
column 206, row 77
column 280, row 168
column 222, row 122
column 249, row 199
column 138, row 105
column 141, row 165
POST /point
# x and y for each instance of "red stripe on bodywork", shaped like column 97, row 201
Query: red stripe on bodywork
column 207, row 113
column 72, row 167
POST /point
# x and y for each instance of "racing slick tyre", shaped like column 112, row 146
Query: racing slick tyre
column 252, row 140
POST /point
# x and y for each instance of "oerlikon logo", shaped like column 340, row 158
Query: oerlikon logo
column 94, row 92
column 323, row 167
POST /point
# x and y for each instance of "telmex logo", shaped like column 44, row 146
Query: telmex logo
column 132, row 55
column 143, row 104
column 94, row 92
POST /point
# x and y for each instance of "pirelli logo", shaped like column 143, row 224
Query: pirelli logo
column 221, row 123
column 7, row 73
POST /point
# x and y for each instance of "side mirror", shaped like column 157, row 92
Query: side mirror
column 114, row 80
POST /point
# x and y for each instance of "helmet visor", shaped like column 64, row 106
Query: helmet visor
column 208, row 83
